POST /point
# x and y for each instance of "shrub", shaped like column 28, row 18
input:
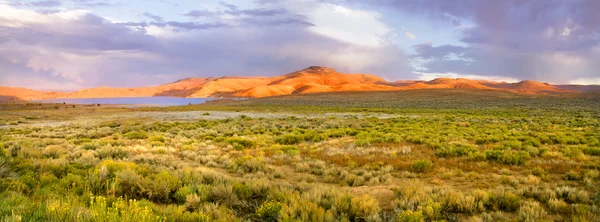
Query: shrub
column 531, row 211
column 592, row 151
column 335, row 133
column 572, row 152
column 238, row 147
column 113, row 152
column 507, row 156
column 558, row 206
column 53, row 151
column 248, row 164
column 269, row 211
column 159, row 187
column 128, row 182
column 290, row 150
column 242, row 191
column 133, row 135
column 90, row 146
column 365, row 207
column 187, row 216
column 454, row 150
column 289, row 139
column 303, row 210
column 572, row 175
column 313, row 136
column 240, row 142
column 572, row 195
column 421, row 166
column 192, row 202
column 156, row 138
column 121, row 210
column 223, row 194
column 538, row 171
column 182, row 193
column 477, row 156
column 410, row 216
column 503, row 200
column 596, row 199
column 3, row 152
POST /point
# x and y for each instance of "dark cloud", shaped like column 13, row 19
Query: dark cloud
column 271, row 22
column 263, row 12
column 140, row 24
column 49, row 3
column 153, row 17
column 228, row 6
column 88, row 32
column 47, row 11
column 201, row 13
column 551, row 40
column 93, row 3
column 250, row 17
column 89, row 50
column 518, row 24
column 195, row 25
column 235, row 11
column 42, row 4
column 427, row 51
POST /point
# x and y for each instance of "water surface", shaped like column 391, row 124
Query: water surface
column 130, row 101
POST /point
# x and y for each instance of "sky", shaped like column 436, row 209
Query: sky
column 74, row 44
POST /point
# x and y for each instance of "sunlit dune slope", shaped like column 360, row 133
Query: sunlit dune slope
column 18, row 93
column 314, row 79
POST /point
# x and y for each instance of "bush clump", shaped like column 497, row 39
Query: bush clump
column 135, row 135
column 241, row 143
column 290, row 139
column 531, row 211
column 269, row 211
column 410, row 216
column 592, row 151
column 507, row 156
column 248, row 164
column 421, row 166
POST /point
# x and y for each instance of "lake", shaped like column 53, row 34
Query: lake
column 130, row 101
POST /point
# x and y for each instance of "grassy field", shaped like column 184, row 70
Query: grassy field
column 424, row 155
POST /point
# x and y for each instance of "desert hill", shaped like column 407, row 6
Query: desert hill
column 313, row 79
column 447, row 83
column 526, row 87
column 580, row 88
column 15, row 93
column 316, row 79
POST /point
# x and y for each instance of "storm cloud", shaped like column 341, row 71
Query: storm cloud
column 71, row 44
column 83, row 49
column 547, row 40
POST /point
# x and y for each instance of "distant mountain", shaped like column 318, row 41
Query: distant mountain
column 447, row 83
column 580, row 88
column 313, row 79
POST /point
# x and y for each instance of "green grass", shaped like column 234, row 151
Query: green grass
column 427, row 155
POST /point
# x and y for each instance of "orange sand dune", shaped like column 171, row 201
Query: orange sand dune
column 182, row 87
column 313, row 79
column 456, row 83
column 316, row 79
column 106, row 92
column 18, row 93
column 227, row 86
